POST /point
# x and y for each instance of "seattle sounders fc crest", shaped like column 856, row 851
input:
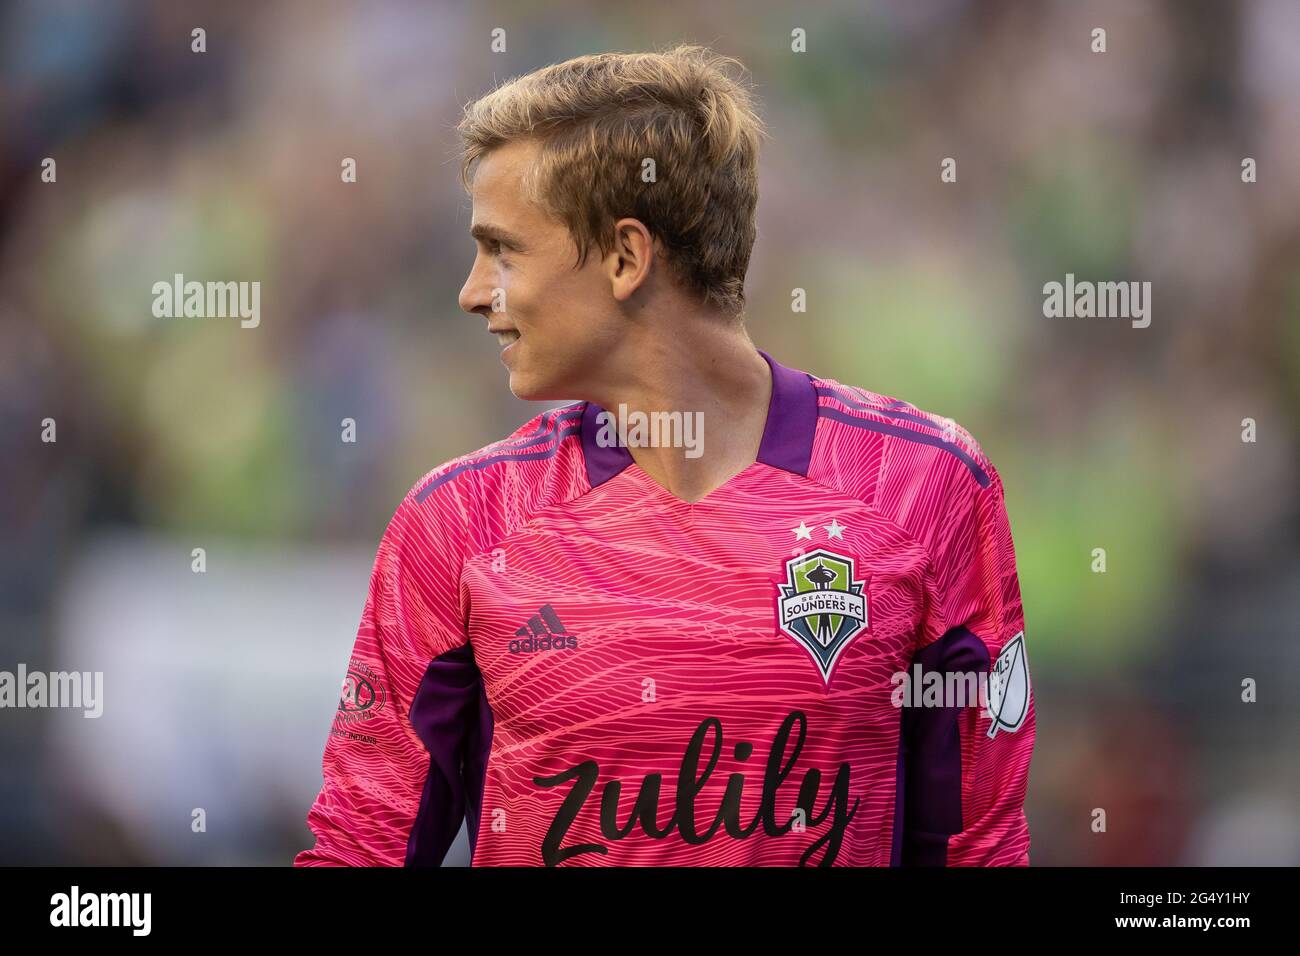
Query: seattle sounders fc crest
column 821, row 605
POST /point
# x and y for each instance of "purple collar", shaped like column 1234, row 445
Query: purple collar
column 787, row 435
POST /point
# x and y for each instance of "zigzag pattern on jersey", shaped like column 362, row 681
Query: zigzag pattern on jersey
column 848, row 403
column 536, row 440
column 712, row 650
column 563, row 416
column 892, row 455
column 940, row 492
column 503, row 486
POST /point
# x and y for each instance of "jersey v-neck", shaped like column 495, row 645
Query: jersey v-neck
column 786, row 444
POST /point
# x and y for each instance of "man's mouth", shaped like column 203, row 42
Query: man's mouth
column 507, row 337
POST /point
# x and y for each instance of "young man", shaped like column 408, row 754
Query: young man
column 607, row 652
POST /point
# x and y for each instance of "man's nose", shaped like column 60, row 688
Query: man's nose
column 476, row 294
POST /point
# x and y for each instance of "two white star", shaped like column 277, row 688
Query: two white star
column 804, row 533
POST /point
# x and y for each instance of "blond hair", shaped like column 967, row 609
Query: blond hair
column 598, row 118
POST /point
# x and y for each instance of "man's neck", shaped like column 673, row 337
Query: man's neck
column 711, row 373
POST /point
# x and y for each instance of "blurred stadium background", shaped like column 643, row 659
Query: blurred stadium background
column 182, row 433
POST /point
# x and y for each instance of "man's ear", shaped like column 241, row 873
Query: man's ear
column 629, row 262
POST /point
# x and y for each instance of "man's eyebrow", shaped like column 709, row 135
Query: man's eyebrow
column 484, row 231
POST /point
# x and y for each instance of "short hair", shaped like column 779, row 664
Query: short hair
column 597, row 119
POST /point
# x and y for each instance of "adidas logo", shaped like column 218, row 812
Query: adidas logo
column 543, row 632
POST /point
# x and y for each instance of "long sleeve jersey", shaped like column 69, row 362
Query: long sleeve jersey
column 588, row 671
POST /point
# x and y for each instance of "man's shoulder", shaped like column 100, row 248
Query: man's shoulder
column 470, row 503
column 922, row 471
column 903, row 440
column 534, row 462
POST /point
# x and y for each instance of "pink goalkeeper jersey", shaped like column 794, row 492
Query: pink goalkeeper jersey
column 591, row 672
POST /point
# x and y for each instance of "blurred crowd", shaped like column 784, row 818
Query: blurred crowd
column 1119, row 165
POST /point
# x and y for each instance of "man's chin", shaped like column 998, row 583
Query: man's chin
column 528, row 388
column 534, row 380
